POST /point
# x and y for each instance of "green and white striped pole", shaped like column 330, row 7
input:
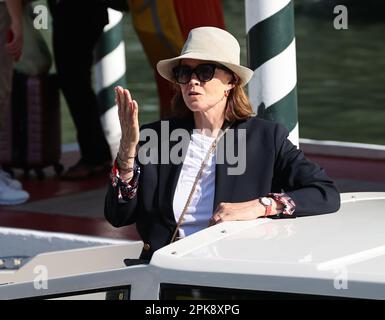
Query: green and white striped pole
column 272, row 56
column 110, row 71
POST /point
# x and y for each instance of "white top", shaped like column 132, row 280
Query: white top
column 201, row 206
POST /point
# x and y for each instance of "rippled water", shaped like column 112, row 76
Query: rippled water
column 341, row 80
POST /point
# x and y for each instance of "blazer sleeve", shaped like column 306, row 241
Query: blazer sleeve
column 124, row 213
column 312, row 191
column 118, row 213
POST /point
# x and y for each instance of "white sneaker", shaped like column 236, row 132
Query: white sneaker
column 9, row 181
column 10, row 196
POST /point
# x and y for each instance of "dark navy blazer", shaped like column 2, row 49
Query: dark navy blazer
column 273, row 164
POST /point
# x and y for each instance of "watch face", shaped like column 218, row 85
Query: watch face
column 266, row 201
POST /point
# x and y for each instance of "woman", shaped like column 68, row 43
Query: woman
column 171, row 199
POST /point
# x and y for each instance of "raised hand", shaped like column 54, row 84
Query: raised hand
column 129, row 124
column 128, row 116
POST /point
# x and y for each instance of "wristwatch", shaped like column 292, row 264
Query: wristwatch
column 267, row 203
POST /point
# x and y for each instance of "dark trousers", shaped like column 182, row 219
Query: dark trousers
column 77, row 26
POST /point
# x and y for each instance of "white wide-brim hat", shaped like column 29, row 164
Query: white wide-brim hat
column 209, row 44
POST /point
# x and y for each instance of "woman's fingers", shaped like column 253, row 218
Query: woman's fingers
column 134, row 113
column 117, row 96
column 128, row 114
column 127, row 102
column 217, row 218
column 128, row 95
column 119, row 100
column 123, row 100
column 135, row 122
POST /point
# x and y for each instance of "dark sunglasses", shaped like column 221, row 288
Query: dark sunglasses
column 204, row 72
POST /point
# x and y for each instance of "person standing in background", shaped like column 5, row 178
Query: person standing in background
column 11, row 43
column 77, row 26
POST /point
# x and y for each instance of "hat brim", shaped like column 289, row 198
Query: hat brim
column 165, row 67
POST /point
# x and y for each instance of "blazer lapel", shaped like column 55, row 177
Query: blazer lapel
column 224, row 183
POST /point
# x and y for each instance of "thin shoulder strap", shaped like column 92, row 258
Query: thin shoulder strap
column 197, row 178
